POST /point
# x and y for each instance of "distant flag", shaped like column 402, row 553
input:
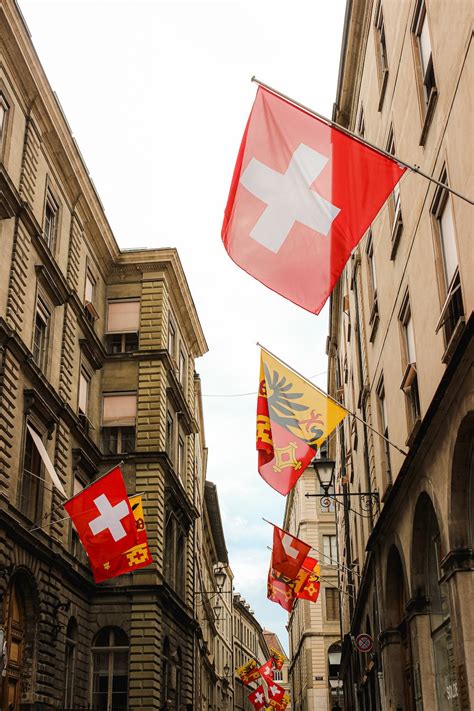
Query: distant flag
column 266, row 670
column 278, row 658
column 302, row 195
column 288, row 553
column 293, row 419
column 248, row 672
column 103, row 518
column 258, row 699
column 279, row 591
column 132, row 559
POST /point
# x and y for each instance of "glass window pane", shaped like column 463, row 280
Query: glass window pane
column 83, row 393
column 425, row 45
column 411, row 353
column 119, row 410
column 448, row 242
column 123, row 316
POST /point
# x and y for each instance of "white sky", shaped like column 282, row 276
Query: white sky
column 157, row 95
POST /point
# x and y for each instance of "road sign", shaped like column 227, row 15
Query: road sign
column 364, row 642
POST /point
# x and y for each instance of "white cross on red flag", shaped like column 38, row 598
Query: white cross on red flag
column 258, row 699
column 103, row 518
column 289, row 553
column 275, row 692
column 266, row 670
column 302, row 195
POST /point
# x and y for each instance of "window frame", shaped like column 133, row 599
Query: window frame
column 332, row 544
column 330, row 592
column 31, row 487
column 381, row 52
column 427, row 90
column 111, row 650
column 44, row 312
column 452, row 315
column 409, row 383
column 383, row 424
column 50, row 233
column 119, row 429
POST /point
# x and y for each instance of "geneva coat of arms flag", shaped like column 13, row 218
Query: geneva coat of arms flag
column 302, row 195
column 293, row 419
column 103, row 518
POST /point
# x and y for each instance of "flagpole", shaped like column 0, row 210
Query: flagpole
column 349, row 412
column 414, row 168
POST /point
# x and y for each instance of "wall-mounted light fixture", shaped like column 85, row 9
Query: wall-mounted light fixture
column 324, row 468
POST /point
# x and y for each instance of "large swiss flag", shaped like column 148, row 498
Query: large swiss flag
column 302, row 196
column 103, row 518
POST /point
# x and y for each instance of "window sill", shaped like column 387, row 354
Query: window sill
column 430, row 107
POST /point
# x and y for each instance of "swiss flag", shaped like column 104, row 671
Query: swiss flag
column 275, row 692
column 266, row 670
column 302, row 196
column 258, row 699
column 103, row 518
column 289, row 553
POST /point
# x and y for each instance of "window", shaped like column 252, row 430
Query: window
column 89, row 295
column 41, row 333
column 123, row 320
column 50, row 221
column 372, row 287
column 16, row 640
column 277, row 675
column 175, row 549
column 110, row 670
column 330, row 550
column 118, row 423
column 84, row 384
column 423, row 41
column 181, row 458
column 424, row 66
column 452, row 312
column 171, row 339
column 382, row 413
column 394, row 206
column 77, row 549
column 3, row 116
column 410, row 381
column 361, row 123
column 31, row 488
column 169, row 435
column 332, row 604
column 381, row 53
column 182, row 368
column 70, row 663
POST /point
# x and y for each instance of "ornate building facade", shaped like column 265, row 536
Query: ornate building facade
column 97, row 358
column 401, row 357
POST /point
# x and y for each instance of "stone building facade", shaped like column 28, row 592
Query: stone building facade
column 401, row 357
column 313, row 628
column 97, row 357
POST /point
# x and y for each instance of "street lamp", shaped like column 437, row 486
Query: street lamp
column 324, row 468
column 220, row 577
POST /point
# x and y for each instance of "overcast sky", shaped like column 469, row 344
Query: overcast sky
column 157, row 95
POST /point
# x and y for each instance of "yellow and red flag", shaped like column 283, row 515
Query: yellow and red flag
column 278, row 658
column 293, row 419
column 137, row 557
column 310, row 589
column 248, row 672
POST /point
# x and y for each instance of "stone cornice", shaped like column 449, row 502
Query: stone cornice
column 460, row 560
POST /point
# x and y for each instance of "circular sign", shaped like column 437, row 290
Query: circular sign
column 364, row 642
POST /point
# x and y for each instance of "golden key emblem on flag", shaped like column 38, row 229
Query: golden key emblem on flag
column 286, row 457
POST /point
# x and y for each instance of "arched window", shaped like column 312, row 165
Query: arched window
column 70, row 663
column 110, row 670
